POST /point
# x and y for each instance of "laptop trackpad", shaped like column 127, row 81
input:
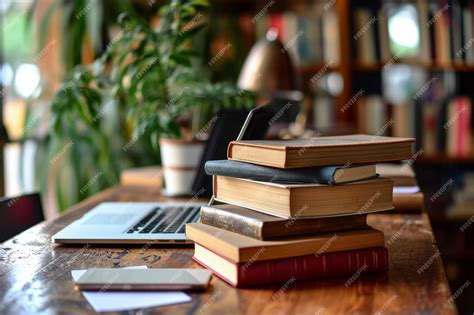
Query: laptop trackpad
column 115, row 219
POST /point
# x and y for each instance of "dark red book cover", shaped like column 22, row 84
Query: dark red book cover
column 335, row 264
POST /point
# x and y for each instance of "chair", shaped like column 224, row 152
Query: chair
column 18, row 214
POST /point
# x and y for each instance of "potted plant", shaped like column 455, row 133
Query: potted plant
column 153, row 79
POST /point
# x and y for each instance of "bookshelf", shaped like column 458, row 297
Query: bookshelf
column 369, row 73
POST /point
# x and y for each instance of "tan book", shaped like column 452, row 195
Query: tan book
column 238, row 248
column 401, row 174
column 305, row 200
column 151, row 176
column 321, row 151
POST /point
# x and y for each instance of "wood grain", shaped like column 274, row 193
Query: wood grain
column 35, row 274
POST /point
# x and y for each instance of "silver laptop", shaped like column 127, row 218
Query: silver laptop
column 145, row 223
column 131, row 222
column 151, row 222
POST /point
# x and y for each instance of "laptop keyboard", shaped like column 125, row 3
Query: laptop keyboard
column 166, row 220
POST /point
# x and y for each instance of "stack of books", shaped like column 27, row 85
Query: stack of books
column 296, row 209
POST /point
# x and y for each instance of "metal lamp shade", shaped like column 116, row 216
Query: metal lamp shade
column 268, row 67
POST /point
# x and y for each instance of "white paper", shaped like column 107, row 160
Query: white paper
column 113, row 301
column 406, row 190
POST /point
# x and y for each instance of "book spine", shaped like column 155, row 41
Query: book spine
column 241, row 225
column 269, row 174
column 315, row 266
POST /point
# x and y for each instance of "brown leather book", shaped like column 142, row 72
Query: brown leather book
column 321, row 151
column 263, row 226
column 305, row 200
column 238, row 248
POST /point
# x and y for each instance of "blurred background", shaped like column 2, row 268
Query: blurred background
column 400, row 68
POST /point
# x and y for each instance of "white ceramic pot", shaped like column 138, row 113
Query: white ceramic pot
column 180, row 160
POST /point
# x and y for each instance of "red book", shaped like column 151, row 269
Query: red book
column 315, row 266
column 458, row 126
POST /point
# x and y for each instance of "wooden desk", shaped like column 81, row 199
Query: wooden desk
column 35, row 274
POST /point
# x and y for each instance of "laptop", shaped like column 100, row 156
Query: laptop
column 152, row 222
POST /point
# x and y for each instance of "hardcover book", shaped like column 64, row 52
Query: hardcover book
column 321, row 151
column 238, row 248
column 305, row 200
column 319, row 175
column 305, row 267
column 263, row 226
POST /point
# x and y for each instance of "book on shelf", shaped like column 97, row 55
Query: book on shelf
column 468, row 33
column 372, row 115
column 445, row 28
column 335, row 264
column 240, row 248
column 288, row 200
column 429, row 120
column 331, row 38
column 321, row 151
column 403, row 115
column 317, row 175
column 442, row 31
column 364, row 36
column 264, row 227
column 456, row 31
column 422, row 8
column 384, row 42
column 324, row 115
column 288, row 36
column 440, row 130
column 309, row 36
column 458, row 127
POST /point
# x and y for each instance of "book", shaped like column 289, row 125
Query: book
column 422, row 8
column 321, row 151
column 408, row 202
column 401, row 174
column 428, row 127
column 324, row 115
column 290, row 24
column 151, row 176
column 263, row 226
column 384, row 41
column 320, row 175
column 407, row 196
column 239, row 248
column 365, row 36
column 468, row 34
column 305, row 200
column 442, row 32
column 298, row 268
column 458, row 127
column 456, row 32
column 372, row 115
column 403, row 120
column 331, row 37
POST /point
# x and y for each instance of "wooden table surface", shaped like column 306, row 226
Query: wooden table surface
column 35, row 274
